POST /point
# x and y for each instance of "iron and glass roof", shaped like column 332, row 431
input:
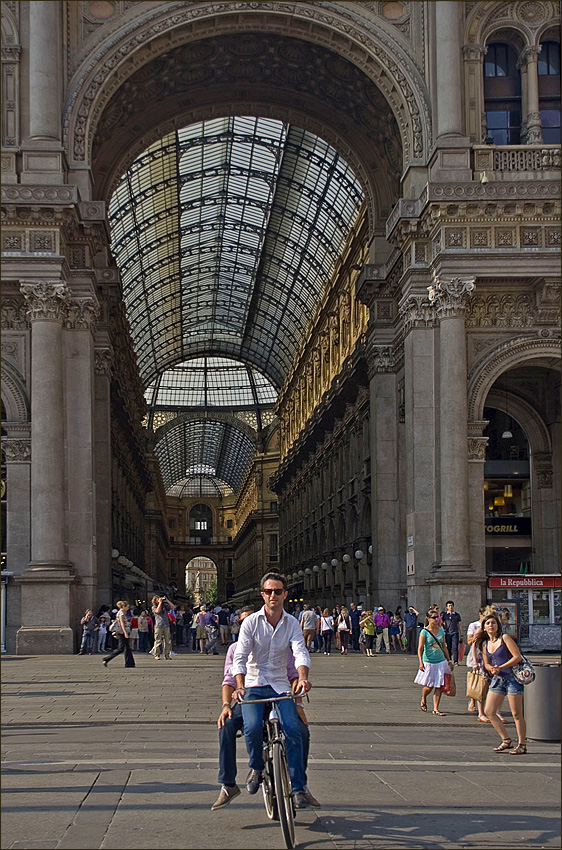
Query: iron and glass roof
column 210, row 382
column 226, row 234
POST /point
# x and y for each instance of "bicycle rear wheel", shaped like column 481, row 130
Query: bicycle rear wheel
column 284, row 794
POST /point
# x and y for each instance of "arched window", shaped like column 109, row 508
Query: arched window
column 549, row 91
column 502, row 94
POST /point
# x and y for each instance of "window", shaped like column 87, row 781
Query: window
column 229, row 523
column 549, row 91
column 502, row 95
column 201, row 524
column 273, row 547
column 273, row 507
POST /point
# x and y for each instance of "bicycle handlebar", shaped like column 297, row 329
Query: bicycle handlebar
column 288, row 695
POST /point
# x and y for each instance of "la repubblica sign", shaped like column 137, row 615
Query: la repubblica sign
column 523, row 582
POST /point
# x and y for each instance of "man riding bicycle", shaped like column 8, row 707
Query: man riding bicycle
column 260, row 670
column 230, row 722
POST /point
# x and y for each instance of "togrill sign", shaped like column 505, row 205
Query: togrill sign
column 519, row 526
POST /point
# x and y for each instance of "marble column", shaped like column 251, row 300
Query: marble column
column 80, row 323
column 390, row 573
column 448, row 68
column 419, row 493
column 44, row 72
column 45, row 585
column 533, row 126
column 449, row 299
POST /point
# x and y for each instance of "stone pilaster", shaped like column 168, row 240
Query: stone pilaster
column 17, row 451
column 80, row 322
column 476, row 501
column 385, row 519
column 449, row 299
column 103, row 363
column 448, row 67
column 45, row 585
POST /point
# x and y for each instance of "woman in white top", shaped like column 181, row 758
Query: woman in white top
column 124, row 630
column 327, row 630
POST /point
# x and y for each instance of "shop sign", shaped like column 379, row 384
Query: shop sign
column 519, row 526
column 524, row 581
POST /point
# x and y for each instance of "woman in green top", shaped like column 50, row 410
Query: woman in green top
column 434, row 661
column 367, row 623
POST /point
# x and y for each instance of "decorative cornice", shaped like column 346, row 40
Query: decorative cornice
column 450, row 297
column 45, row 301
column 83, row 314
column 17, row 451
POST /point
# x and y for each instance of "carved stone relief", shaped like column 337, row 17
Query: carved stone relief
column 17, row 451
column 45, row 300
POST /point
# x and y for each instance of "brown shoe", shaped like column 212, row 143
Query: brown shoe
column 310, row 799
column 227, row 794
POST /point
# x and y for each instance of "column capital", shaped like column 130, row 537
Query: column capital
column 542, row 462
column 474, row 52
column 103, row 360
column 82, row 314
column 17, row 451
column 380, row 358
column 416, row 312
column 477, row 449
column 449, row 297
column 45, row 301
column 530, row 54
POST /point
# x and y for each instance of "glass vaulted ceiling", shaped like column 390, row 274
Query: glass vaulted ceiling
column 226, row 234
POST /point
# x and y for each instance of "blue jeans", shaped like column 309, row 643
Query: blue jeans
column 453, row 646
column 253, row 733
column 87, row 644
column 227, row 746
column 143, row 641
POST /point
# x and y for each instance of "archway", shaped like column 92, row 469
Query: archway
column 200, row 574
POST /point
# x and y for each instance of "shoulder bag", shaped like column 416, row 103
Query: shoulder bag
column 523, row 671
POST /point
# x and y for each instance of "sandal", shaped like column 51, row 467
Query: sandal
column 520, row 750
column 483, row 719
column 423, row 706
column 505, row 745
column 439, row 713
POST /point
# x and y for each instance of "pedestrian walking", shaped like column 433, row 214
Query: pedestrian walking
column 501, row 653
column 411, row 628
column 367, row 623
column 434, row 662
column 344, row 629
column 122, row 630
column 327, row 630
column 453, row 631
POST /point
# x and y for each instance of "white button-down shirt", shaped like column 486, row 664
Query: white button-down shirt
column 261, row 651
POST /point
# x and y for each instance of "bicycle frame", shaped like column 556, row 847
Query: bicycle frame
column 276, row 784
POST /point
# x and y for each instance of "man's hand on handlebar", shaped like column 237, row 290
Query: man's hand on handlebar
column 239, row 694
column 302, row 686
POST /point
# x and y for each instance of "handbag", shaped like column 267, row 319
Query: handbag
column 523, row 671
column 449, row 686
column 476, row 686
column 461, row 652
column 115, row 627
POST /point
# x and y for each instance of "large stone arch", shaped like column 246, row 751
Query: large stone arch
column 506, row 356
column 370, row 48
column 14, row 395
column 528, row 417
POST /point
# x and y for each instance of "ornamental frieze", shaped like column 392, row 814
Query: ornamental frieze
column 500, row 311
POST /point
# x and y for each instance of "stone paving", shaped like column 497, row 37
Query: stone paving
column 116, row 758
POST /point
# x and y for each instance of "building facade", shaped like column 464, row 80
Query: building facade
column 386, row 316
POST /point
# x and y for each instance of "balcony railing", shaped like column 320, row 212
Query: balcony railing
column 515, row 162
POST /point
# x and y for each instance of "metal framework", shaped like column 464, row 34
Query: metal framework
column 226, row 234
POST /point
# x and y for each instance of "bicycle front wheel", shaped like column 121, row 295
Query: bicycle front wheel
column 283, row 793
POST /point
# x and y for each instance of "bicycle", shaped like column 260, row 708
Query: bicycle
column 276, row 782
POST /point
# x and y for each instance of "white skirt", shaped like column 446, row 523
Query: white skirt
column 433, row 675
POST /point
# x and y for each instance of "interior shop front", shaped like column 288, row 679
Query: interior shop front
column 529, row 606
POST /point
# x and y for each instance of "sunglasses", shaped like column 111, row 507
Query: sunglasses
column 276, row 590
column 432, row 617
